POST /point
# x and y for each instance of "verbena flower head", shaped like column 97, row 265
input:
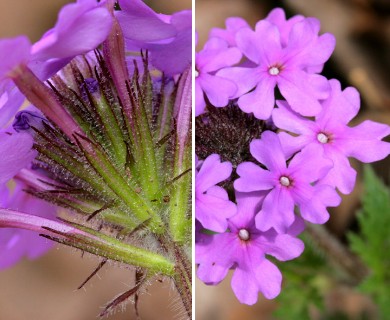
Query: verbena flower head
column 288, row 159
column 243, row 248
column 109, row 143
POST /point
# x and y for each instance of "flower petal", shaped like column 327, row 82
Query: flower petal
column 244, row 78
column 285, row 118
column 200, row 103
column 212, row 172
column 268, row 151
column 141, row 23
column 284, row 247
column 342, row 176
column 217, row 89
column 253, row 178
column 76, row 32
column 310, row 164
column 292, row 144
column 214, row 208
column 363, row 142
column 13, row 53
column 17, row 153
column 261, row 101
column 302, row 91
column 277, row 211
column 314, row 210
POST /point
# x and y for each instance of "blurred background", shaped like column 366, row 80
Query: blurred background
column 361, row 59
column 46, row 288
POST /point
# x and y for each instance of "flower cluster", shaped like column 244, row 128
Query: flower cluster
column 105, row 134
column 286, row 171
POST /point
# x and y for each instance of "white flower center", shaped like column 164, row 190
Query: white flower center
column 243, row 234
column 196, row 73
column 284, row 181
column 274, row 71
column 323, row 138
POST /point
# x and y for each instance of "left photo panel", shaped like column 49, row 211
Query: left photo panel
column 96, row 159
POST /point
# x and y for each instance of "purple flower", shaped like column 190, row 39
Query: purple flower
column 16, row 153
column 175, row 56
column 13, row 53
column 141, row 23
column 10, row 102
column 212, row 205
column 28, row 119
column 243, row 249
column 76, row 32
column 289, row 185
column 287, row 66
column 330, row 132
column 17, row 243
column 233, row 24
column 214, row 56
column 167, row 38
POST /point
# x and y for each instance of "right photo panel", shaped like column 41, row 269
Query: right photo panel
column 292, row 196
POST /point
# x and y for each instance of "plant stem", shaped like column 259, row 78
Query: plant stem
column 337, row 253
column 183, row 279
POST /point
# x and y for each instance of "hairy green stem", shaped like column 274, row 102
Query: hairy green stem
column 337, row 253
column 183, row 279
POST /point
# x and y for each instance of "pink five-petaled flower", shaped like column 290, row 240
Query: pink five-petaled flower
column 289, row 185
column 214, row 56
column 289, row 66
column 243, row 248
column 212, row 205
column 330, row 131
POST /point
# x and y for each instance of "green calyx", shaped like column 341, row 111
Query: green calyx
column 127, row 169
